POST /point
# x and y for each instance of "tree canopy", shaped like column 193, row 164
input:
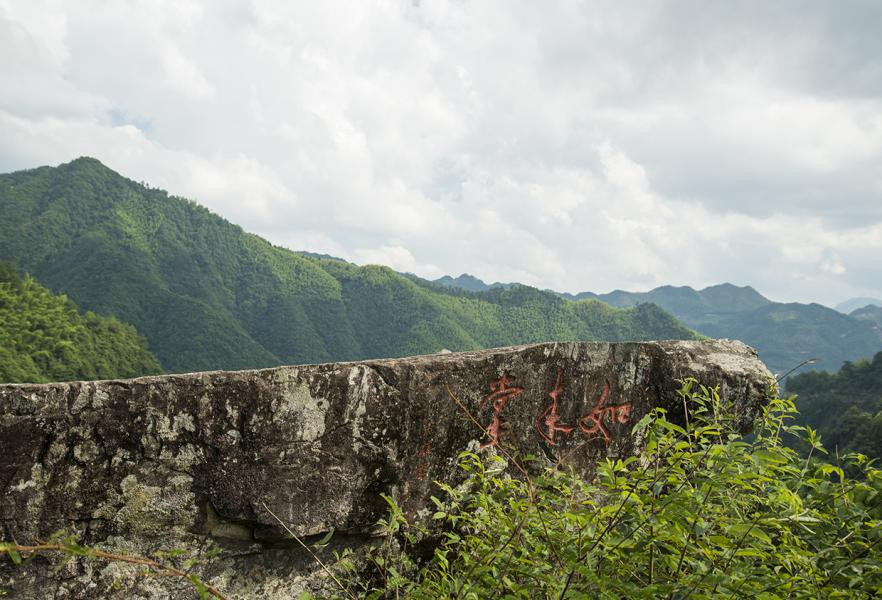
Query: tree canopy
column 44, row 338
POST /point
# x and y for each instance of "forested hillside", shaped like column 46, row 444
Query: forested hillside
column 208, row 295
column 44, row 338
column 705, row 306
column 784, row 334
column 846, row 407
column 870, row 313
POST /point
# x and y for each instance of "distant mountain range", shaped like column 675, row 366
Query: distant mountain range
column 208, row 295
column 870, row 313
column 470, row 283
column 784, row 334
column 851, row 305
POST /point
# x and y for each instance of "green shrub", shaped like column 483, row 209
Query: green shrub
column 701, row 512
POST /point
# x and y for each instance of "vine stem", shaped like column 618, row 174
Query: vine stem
column 311, row 553
column 112, row 556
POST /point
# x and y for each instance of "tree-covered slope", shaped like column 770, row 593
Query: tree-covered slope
column 208, row 295
column 698, row 306
column 846, row 407
column 44, row 338
column 404, row 315
column 870, row 313
column 787, row 334
column 783, row 334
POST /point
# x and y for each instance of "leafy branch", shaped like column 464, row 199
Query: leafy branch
column 61, row 543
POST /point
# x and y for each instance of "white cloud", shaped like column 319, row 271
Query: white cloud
column 579, row 146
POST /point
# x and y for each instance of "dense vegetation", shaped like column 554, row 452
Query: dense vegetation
column 208, row 295
column 700, row 513
column 44, row 338
column 783, row 334
column 846, row 407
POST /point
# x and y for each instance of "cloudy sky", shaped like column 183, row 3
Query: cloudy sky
column 570, row 145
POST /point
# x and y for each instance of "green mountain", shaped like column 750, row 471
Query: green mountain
column 852, row 304
column 208, row 295
column 44, row 338
column 699, row 307
column 787, row 334
column 846, row 407
column 469, row 283
column 784, row 334
column 870, row 313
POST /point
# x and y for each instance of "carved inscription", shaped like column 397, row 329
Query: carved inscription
column 548, row 423
column 593, row 422
column 500, row 394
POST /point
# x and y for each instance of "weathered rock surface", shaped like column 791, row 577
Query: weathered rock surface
column 181, row 461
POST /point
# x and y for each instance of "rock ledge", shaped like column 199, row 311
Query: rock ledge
column 177, row 461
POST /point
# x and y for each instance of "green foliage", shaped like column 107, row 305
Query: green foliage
column 701, row 512
column 846, row 407
column 44, row 338
column 208, row 295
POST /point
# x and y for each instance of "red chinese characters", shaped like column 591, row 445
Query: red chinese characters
column 593, row 422
column 547, row 423
column 500, row 394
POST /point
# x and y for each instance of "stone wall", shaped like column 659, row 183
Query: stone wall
column 184, row 461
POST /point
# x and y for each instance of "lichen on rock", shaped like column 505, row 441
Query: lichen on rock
column 186, row 461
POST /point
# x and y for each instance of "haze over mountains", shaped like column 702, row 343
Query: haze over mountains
column 852, row 304
column 208, row 295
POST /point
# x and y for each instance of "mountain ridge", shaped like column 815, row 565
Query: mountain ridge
column 870, row 312
column 784, row 334
column 469, row 283
column 209, row 295
column 852, row 304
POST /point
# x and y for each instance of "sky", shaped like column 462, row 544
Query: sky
column 577, row 146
